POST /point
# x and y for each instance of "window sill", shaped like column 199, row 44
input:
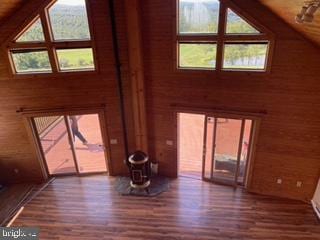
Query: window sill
column 54, row 74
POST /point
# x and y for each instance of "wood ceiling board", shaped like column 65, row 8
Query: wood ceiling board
column 288, row 10
column 8, row 7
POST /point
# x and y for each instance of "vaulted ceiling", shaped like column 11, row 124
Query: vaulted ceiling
column 8, row 7
column 286, row 9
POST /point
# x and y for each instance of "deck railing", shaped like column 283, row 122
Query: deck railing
column 43, row 123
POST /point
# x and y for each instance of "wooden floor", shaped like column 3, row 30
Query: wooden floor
column 10, row 198
column 90, row 208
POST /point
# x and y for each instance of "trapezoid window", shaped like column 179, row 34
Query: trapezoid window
column 57, row 40
column 212, row 35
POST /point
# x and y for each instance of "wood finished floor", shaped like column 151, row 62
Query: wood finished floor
column 10, row 197
column 90, row 208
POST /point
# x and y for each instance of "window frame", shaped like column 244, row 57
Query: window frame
column 50, row 44
column 262, row 42
column 74, row 69
column 14, row 51
column 198, row 68
column 222, row 37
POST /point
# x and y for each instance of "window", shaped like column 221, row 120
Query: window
column 236, row 25
column 211, row 35
column 31, row 61
column 244, row 56
column 197, row 55
column 69, row 20
column 73, row 59
column 34, row 33
column 198, row 16
column 57, row 40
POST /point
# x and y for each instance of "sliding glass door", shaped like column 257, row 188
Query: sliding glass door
column 88, row 143
column 55, row 142
column 226, row 143
column 71, row 144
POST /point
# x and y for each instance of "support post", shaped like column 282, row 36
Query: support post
column 137, row 73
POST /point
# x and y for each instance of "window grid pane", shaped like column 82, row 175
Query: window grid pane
column 237, row 25
column 33, row 34
column 75, row 59
column 198, row 16
column 69, row 20
column 197, row 55
column 31, row 61
column 245, row 56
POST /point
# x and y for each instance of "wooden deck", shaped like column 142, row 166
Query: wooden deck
column 90, row 208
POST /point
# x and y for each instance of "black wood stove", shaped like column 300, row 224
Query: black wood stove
column 140, row 172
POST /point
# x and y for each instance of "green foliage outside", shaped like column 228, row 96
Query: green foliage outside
column 235, row 56
column 244, row 56
column 31, row 62
column 75, row 59
column 33, row 34
column 235, row 25
column 198, row 55
column 198, row 17
column 69, row 22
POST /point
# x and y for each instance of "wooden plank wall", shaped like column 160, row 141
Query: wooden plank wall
column 288, row 144
column 74, row 90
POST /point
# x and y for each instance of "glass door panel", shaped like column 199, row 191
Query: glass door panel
column 209, row 147
column 244, row 151
column 88, row 143
column 226, row 149
column 55, row 144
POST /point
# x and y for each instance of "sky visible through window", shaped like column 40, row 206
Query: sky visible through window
column 71, row 2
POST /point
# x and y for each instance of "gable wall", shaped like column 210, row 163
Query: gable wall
column 288, row 142
column 74, row 90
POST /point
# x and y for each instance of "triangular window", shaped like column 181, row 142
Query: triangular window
column 33, row 33
column 237, row 25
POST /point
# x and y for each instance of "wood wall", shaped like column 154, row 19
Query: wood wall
column 288, row 143
column 73, row 90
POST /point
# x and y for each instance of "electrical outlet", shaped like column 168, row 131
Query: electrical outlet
column 113, row 141
column 169, row 142
column 279, row 181
column 299, row 184
column 16, row 170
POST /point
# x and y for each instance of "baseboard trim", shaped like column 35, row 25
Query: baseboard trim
column 316, row 209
